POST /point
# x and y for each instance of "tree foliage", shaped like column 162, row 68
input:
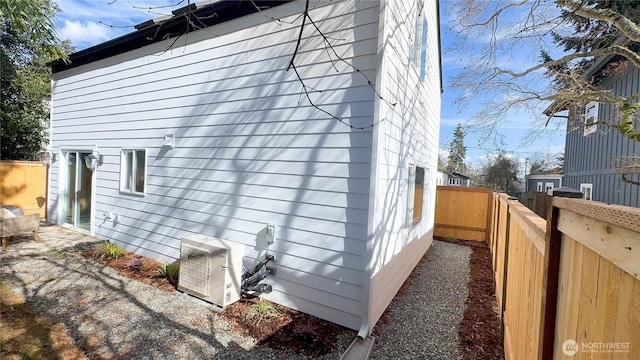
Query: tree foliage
column 27, row 41
column 566, row 36
column 457, row 152
column 501, row 174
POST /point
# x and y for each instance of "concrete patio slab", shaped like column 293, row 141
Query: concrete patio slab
column 51, row 237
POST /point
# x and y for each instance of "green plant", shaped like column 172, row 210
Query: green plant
column 170, row 271
column 262, row 310
column 451, row 238
column 110, row 250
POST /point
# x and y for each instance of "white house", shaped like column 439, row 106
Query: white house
column 206, row 132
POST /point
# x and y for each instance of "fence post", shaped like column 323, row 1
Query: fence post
column 505, row 264
column 553, row 238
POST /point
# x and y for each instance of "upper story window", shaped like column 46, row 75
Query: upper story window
column 419, row 56
column 133, row 171
column 590, row 118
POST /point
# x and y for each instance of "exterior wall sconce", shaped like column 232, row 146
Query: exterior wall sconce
column 93, row 160
column 47, row 158
column 169, row 141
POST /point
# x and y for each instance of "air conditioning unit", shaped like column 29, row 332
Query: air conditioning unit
column 211, row 269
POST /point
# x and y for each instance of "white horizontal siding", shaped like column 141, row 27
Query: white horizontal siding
column 250, row 150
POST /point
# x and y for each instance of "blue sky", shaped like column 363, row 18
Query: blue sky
column 89, row 22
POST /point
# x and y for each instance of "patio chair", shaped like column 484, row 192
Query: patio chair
column 12, row 224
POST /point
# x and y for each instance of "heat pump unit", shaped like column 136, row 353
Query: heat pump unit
column 211, row 269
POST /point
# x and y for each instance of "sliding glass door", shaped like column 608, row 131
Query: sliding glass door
column 77, row 194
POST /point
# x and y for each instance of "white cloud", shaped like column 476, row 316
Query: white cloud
column 87, row 33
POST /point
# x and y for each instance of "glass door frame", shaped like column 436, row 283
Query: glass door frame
column 64, row 193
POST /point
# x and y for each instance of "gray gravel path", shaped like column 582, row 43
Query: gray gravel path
column 423, row 322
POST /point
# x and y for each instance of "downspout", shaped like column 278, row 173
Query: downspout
column 373, row 180
column 47, row 191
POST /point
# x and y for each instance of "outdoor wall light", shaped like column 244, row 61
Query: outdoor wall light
column 45, row 158
column 93, row 160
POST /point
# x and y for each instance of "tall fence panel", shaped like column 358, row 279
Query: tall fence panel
column 23, row 185
column 463, row 213
column 567, row 287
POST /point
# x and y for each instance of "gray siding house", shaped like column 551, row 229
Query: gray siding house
column 210, row 134
column 543, row 182
column 599, row 160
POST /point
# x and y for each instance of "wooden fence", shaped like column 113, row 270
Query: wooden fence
column 567, row 287
column 23, row 185
column 463, row 213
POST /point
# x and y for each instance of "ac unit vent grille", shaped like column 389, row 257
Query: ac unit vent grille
column 194, row 268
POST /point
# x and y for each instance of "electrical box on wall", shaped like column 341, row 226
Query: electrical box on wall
column 271, row 234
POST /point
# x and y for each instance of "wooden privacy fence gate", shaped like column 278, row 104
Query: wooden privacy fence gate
column 23, row 185
column 463, row 213
column 568, row 287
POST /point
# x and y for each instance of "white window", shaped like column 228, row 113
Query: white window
column 590, row 118
column 133, row 170
column 415, row 193
column 548, row 187
column 423, row 49
column 587, row 191
column 539, row 187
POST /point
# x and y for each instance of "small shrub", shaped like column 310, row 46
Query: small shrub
column 262, row 310
column 133, row 263
column 110, row 250
column 451, row 238
column 305, row 328
column 170, row 271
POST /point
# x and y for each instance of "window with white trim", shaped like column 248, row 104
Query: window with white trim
column 548, row 187
column 587, row 191
column 590, row 118
column 133, row 171
column 539, row 187
column 415, row 194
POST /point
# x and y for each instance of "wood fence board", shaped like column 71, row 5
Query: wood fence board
column 618, row 245
column 586, row 312
column 23, row 185
column 604, row 320
column 563, row 294
column 454, row 217
column 595, row 293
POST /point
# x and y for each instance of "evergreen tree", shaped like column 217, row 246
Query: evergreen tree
column 457, row 152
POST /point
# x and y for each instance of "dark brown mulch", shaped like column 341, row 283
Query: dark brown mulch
column 291, row 329
column 480, row 328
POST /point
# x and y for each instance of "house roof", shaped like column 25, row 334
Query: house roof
column 192, row 17
column 597, row 65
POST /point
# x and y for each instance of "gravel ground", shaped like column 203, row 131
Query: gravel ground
column 123, row 318
column 423, row 322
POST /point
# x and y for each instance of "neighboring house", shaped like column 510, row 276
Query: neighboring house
column 209, row 134
column 599, row 161
column 543, row 182
column 452, row 179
